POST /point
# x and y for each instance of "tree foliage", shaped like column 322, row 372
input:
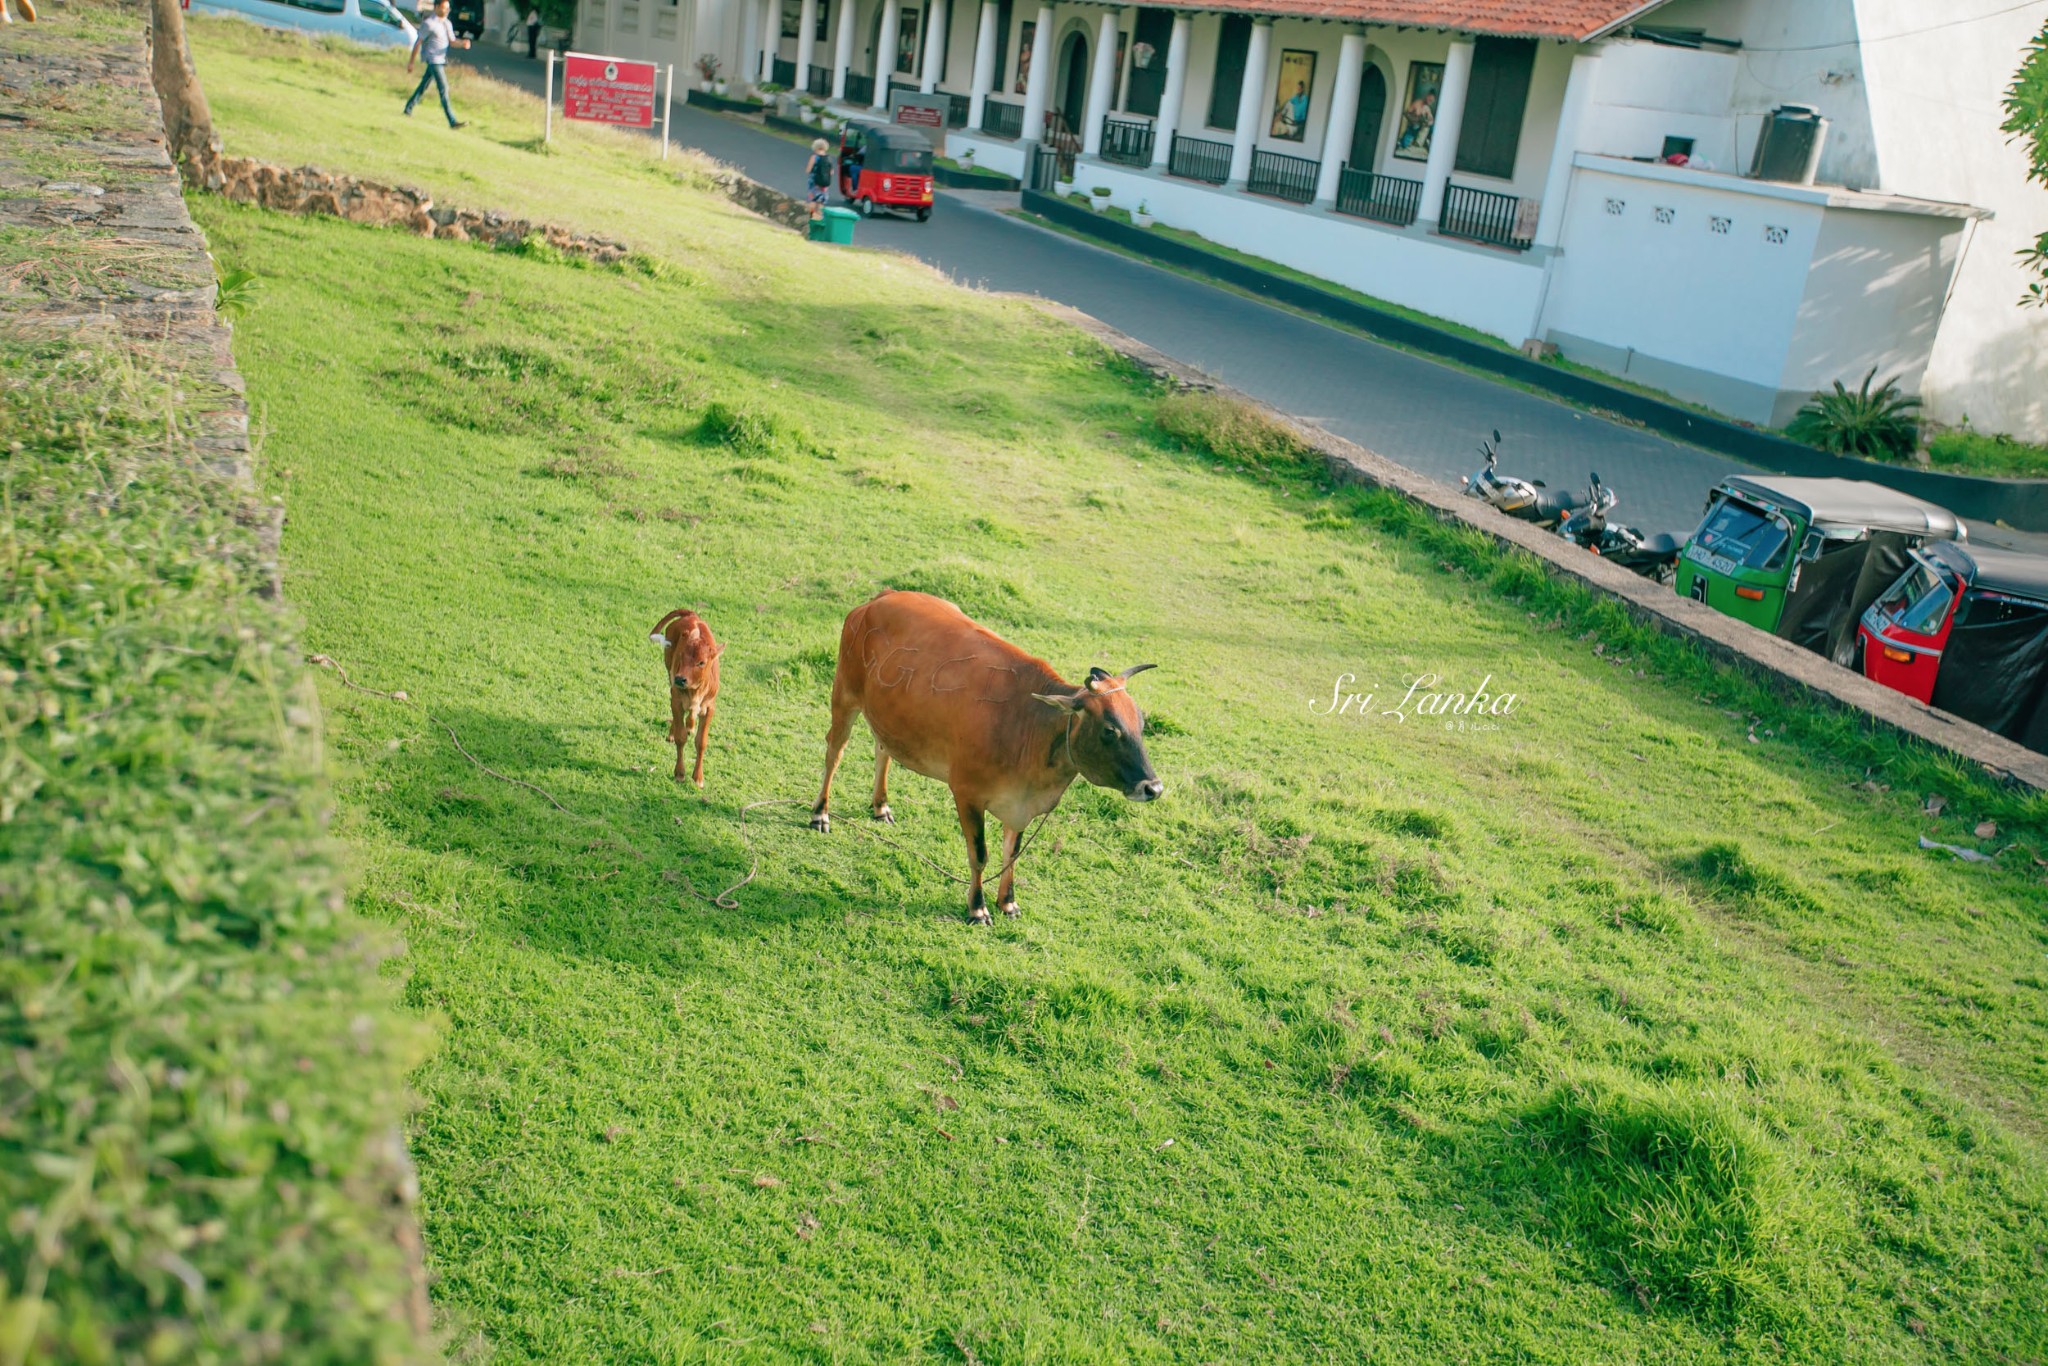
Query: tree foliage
column 2026, row 110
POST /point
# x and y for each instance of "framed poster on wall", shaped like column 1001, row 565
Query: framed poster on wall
column 1024, row 58
column 1418, row 111
column 906, row 42
column 1290, row 108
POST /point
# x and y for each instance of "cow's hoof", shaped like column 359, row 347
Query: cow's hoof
column 699, row 781
column 885, row 815
column 680, row 777
column 821, row 822
column 1010, row 910
column 979, row 916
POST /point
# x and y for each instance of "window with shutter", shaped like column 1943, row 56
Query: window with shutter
column 1002, row 44
column 1154, row 29
column 1499, row 93
column 1231, row 48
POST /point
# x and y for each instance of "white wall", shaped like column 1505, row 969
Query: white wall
column 1680, row 293
column 1873, row 299
column 1935, row 103
column 1494, row 291
column 1646, row 91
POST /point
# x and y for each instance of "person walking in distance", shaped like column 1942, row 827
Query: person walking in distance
column 819, row 173
column 437, row 35
column 533, row 33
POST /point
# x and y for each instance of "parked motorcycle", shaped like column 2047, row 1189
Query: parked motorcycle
column 1655, row 557
column 1526, row 500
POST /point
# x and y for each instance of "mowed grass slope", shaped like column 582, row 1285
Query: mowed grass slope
column 1632, row 1030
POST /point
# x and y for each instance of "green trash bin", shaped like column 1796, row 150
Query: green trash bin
column 835, row 227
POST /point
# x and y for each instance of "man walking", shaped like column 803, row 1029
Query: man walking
column 533, row 33
column 437, row 35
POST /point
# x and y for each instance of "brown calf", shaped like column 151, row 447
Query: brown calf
column 691, row 656
column 954, row 701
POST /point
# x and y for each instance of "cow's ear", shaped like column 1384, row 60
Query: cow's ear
column 658, row 638
column 1064, row 701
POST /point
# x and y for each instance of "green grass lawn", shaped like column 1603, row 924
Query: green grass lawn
column 1636, row 1029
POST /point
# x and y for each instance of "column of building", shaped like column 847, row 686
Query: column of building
column 1251, row 103
column 1343, row 114
column 1176, row 91
column 1443, row 133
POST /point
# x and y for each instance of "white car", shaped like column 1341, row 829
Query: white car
column 365, row 21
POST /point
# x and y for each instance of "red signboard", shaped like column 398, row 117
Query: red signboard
column 922, row 115
column 607, row 90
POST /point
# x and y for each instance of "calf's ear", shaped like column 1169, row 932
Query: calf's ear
column 659, row 639
column 1064, row 701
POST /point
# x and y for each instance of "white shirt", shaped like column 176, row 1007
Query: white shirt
column 436, row 33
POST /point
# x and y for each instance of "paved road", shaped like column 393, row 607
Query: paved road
column 1415, row 411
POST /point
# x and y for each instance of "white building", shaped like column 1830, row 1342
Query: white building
column 1562, row 171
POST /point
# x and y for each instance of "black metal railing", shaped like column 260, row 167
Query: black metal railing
column 1126, row 140
column 1483, row 216
column 1382, row 198
column 859, row 89
column 782, row 72
column 956, row 109
column 1049, row 166
column 1002, row 119
column 1198, row 159
column 1283, row 177
column 820, row 82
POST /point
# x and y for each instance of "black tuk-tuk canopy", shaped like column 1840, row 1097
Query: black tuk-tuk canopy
column 888, row 147
column 1994, row 669
column 1850, row 504
column 2002, row 571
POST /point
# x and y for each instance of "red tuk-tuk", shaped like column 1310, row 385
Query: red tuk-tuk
column 885, row 166
column 1966, row 629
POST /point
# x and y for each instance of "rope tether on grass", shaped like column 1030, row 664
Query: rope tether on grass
column 724, row 900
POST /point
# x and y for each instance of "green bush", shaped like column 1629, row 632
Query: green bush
column 1879, row 423
column 199, row 1106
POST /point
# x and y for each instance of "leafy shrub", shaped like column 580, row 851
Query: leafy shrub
column 1878, row 423
column 204, row 1076
column 1235, row 432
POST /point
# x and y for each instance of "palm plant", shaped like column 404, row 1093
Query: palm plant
column 1881, row 422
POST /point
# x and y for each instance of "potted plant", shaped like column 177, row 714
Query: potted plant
column 1142, row 215
column 1100, row 194
column 707, row 70
column 967, row 159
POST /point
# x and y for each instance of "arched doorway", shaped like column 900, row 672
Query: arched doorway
column 1073, row 72
column 1372, row 116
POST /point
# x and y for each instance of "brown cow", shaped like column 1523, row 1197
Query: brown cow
column 955, row 701
column 692, row 659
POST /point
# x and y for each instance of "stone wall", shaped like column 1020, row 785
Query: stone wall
column 309, row 190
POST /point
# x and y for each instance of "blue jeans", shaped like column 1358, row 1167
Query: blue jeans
column 439, row 77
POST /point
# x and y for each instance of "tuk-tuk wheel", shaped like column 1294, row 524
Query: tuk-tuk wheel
column 864, row 207
column 924, row 215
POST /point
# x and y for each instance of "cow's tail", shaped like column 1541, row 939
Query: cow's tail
column 656, row 635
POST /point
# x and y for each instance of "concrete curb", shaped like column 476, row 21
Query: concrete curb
column 2021, row 503
column 1791, row 670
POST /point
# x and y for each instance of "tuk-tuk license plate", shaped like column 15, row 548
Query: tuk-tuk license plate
column 1719, row 564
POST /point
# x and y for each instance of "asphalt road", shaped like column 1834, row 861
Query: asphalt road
column 1417, row 412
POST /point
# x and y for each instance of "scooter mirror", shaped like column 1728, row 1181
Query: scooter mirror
column 1596, row 476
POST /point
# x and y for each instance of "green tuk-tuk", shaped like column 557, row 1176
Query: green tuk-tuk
column 1803, row 558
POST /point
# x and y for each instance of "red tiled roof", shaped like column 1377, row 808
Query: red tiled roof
column 1575, row 20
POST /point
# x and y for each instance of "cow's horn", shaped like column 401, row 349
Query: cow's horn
column 1136, row 669
column 1064, row 701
